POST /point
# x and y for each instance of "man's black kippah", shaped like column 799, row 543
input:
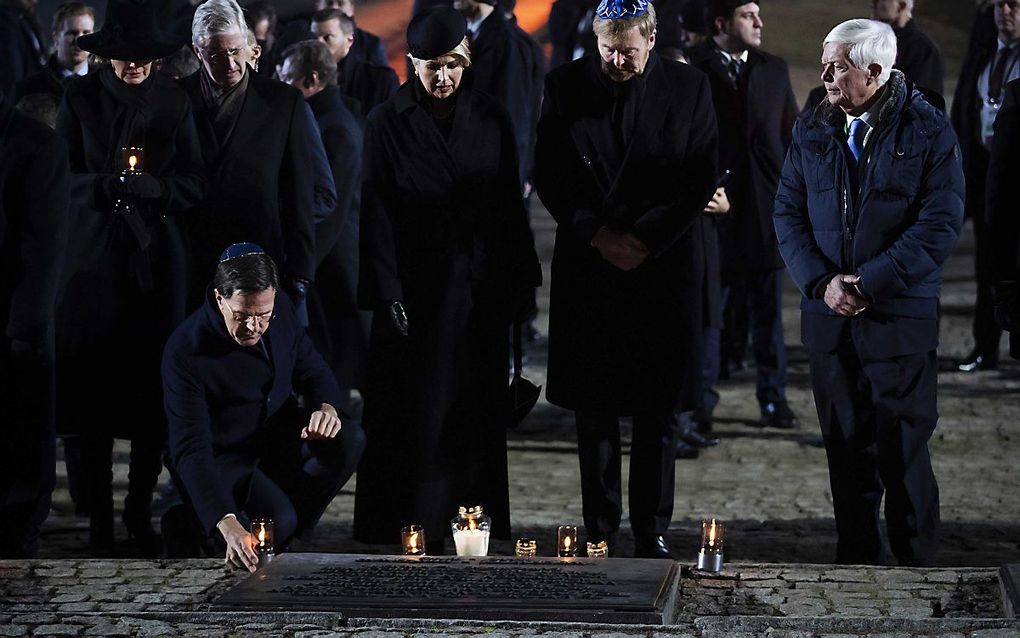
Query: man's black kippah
column 434, row 32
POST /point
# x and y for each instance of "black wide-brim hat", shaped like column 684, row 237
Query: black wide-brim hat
column 130, row 32
column 435, row 31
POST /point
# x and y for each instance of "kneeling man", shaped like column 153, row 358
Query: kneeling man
column 240, row 446
column 869, row 207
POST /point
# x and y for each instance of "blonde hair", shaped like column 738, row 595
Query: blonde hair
column 612, row 29
column 461, row 52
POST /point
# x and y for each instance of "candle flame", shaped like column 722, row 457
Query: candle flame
column 262, row 535
column 132, row 161
column 413, row 540
column 566, row 542
column 472, row 524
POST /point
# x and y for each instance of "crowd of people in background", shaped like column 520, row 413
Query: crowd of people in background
column 218, row 225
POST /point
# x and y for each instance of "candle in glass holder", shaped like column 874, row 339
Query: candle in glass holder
column 471, row 531
column 131, row 157
column 413, row 537
column 710, row 558
column 566, row 540
column 526, row 547
column 598, row 550
column 262, row 530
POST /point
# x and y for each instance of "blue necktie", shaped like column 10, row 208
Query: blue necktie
column 858, row 131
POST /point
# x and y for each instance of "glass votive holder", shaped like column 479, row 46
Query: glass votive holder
column 262, row 530
column 413, row 540
column 471, row 531
column 132, row 159
column 710, row 557
column 598, row 550
column 526, row 547
column 566, row 540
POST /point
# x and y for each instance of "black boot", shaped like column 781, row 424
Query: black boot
column 137, row 519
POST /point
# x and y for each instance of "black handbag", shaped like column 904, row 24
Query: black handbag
column 523, row 393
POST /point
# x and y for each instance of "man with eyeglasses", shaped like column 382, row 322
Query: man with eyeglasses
column 992, row 62
column 241, row 446
column 268, row 174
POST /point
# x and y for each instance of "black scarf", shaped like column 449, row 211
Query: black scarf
column 130, row 117
column 225, row 103
column 425, row 99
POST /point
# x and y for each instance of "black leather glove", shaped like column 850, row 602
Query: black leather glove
column 297, row 288
column 1006, row 305
column 106, row 190
column 396, row 316
column 142, row 186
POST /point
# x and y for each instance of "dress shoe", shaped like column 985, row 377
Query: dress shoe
column 685, row 450
column 777, row 414
column 976, row 361
column 141, row 532
column 695, row 439
column 702, row 418
column 652, row 547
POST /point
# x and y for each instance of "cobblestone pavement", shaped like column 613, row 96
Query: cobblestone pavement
column 771, row 488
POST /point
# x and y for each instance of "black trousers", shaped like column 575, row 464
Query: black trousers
column 652, row 473
column 876, row 419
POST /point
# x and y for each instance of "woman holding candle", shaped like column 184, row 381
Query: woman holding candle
column 447, row 262
column 135, row 162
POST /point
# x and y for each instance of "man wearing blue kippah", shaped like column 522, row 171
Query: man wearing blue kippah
column 625, row 162
column 241, row 447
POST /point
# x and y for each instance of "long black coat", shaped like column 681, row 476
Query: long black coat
column 369, row 84
column 919, row 58
column 33, row 236
column 261, row 188
column 21, row 46
column 1003, row 167
column 444, row 231
column 755, row 123
column 625, row 342
column 108, row 310
column 337, row 326
column 48, row 81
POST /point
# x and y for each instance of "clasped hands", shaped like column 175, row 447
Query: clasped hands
column 324, row 423
column 620, row 248
column 843, row 295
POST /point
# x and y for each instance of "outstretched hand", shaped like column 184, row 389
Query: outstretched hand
column 240, row 544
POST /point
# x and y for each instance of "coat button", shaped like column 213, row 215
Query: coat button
column 586, row 160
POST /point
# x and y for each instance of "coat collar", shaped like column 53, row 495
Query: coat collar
column 826, row 114
column 326, row 101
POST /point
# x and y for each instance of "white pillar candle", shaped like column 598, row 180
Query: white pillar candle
column 471, row 542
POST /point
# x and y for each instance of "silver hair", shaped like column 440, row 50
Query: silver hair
column 215, row 17
column 869, row 42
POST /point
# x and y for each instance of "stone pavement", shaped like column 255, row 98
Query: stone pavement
column 771, row 488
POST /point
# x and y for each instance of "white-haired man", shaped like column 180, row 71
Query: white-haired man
column 917, row 55
column 869, row 206
column 267, row 169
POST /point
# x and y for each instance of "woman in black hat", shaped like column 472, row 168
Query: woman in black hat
column 447, row 262
column 125, row 265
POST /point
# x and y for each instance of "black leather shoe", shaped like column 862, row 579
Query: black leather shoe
column 686, row 451
column 976, row 361
column 777, row 414
column 695, row 439
column 652, row 547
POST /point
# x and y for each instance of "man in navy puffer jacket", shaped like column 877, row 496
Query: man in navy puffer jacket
column 869, row 207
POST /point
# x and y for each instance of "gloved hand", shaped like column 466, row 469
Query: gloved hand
column 394, row 313
column 1006, row 305
column 142, row 185
column 106, row 190
column 297, row 288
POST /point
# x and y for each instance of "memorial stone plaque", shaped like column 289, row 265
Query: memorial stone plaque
column 489, row 588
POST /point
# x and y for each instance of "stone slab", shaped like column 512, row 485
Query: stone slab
column 619, row 591
column 1009, row 579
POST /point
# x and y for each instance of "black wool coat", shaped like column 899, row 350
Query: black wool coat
column 626, row 342
column 108, row 278
column 1004, row 166
column 48, row 81
column 919, row 58
column 21, row 46
column 444, row 231
column 337, row 326
column 755, row 123
column 261, row 188
column 369, row 84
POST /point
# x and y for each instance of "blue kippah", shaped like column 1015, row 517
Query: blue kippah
column 616, row 9
column 234, row 251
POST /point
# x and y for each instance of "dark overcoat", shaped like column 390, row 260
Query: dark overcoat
column 1003, row 222
column 368, row 47
column 896, row 235
column 21, row 46
column 219, row 396
column 625, row 342
column 337, row 326
column 755, row 122
column 119, row 302
column 369, row 84
column 919, row 58
column 33, row 236
column 48, row 81
column 261, row 188
column 443, row 231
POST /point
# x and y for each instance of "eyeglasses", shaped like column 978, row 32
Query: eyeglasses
column 1013, row 5
column 223, row 55
column 259, row 320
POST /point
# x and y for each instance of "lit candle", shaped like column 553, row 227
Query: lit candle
column 132, row 158
column 526, row 548
column 566, row 537
column 598, row 550
column 471, row 532
column 414, row 540
column 710, row 558
column 262, row 530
